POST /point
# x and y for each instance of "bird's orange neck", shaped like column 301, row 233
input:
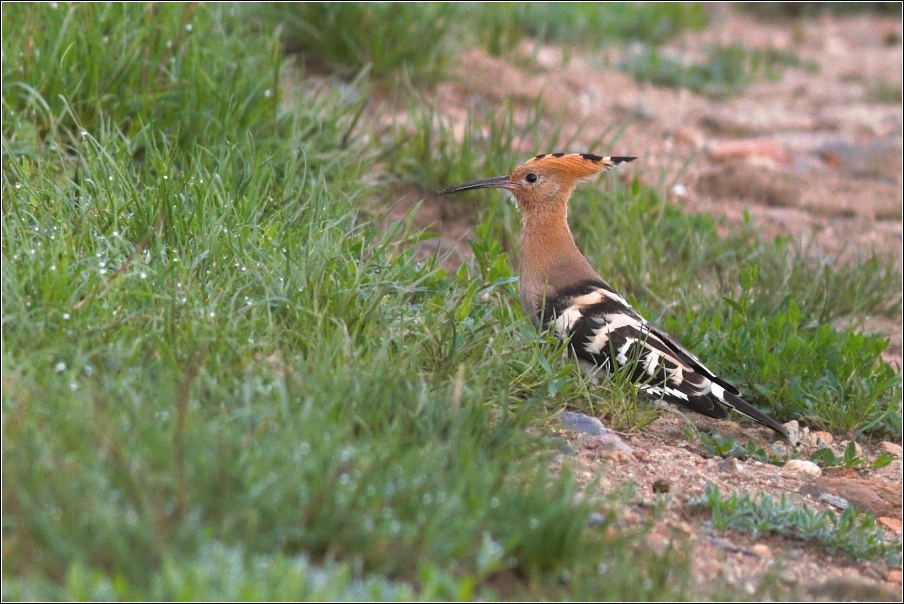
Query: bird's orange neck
column 550, row 259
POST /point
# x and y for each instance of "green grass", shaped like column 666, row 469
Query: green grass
column 178, row 68
column 499, row 28
column 726, row 71
column 213, row 363
column 384, row 38
column 856, row 535
column 222, row 379
column 419, row 39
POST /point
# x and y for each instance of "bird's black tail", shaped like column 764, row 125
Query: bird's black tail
column 742, row 406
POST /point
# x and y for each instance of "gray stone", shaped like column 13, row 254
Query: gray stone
column 834, row 500
column 578, row 422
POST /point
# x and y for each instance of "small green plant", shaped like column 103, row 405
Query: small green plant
column 858, row 536
column 726, row 71
column 826, row 458
column 827, row 378
column 884, row 92
column 726, row 446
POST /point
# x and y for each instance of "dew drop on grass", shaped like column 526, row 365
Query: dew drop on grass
column 53, row 267
column 267, row 93
column 18, row 185
column 73, row 386
column 212, row 314
column 60, row 367
column 188, row 27
column 144, row 275
column 88, row 370
column 66, row 316
column 494, row 502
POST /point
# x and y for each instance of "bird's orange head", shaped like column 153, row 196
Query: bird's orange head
column 544, row 182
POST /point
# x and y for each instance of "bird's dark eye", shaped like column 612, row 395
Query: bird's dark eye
column 531, row 178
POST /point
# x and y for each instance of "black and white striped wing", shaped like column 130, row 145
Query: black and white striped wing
column 604, row 329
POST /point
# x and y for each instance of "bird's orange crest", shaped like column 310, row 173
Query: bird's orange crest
column 573, row 165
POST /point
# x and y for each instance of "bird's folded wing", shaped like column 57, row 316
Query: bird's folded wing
column 605, row 330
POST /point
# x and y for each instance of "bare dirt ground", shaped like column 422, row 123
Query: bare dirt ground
column 816, row 155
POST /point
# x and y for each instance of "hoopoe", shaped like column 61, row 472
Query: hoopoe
column 560, row 290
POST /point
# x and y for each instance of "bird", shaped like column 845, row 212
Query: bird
column 561, row 291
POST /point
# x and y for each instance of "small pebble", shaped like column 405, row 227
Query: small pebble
column 640, row 455
column 793, row 429
column 662, row 485
column 834, row 500
column 762, row 550
column 821, row 438
column 892, row 448
column 578, row 422
column 728, row 465
column 802, row 466
column 595, row 519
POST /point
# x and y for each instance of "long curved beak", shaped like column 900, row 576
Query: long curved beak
column 497, row 182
